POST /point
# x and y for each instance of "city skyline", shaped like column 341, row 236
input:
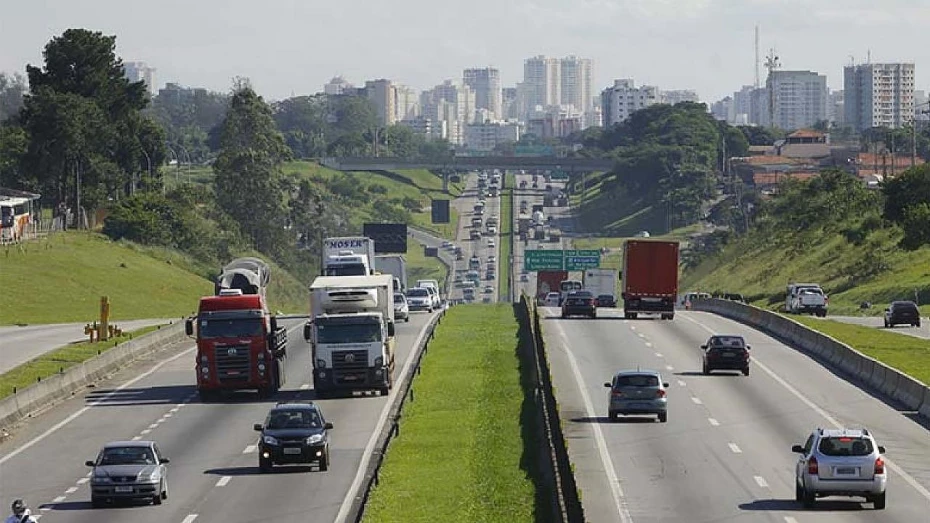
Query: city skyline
column 276, row 48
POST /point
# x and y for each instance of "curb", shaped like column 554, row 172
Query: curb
column 838, row 356
column 25, row 403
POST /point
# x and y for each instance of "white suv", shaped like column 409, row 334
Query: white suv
column 840, row 462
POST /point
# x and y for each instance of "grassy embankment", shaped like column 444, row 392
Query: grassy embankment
column 467, row 444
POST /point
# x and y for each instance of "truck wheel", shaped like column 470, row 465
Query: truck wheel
column 96, row 502
column 323, row 394
column 663, row 417
column 206, row 396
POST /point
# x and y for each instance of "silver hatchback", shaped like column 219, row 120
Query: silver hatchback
column 840, row 462
column 132, row 470
column 637, row 392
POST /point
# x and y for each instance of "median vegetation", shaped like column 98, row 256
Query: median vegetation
column 466, row 450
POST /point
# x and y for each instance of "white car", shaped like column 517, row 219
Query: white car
column 491, row 243
column 401, row 309
column 434, row 295
column 419, row 299
column 553, row 299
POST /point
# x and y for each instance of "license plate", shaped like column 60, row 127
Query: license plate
column 123, row 489
column 349, row 377
column 289, row 450
column 729, row 354
column 845, row 471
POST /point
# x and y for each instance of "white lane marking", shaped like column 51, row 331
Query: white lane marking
column 649, row 344
column 222, row 482
column 669, row 367
column 107, row 397
column 761, row 481
column 923, row 491
column 250, row 449
column 146, row 431
column 71, row 490
column 681, row 383
column 189, row 518
column 713, row 422
column 789, row 519
column 176, row 408
column 83, row 481
column 372, row 441
column 36, row 516
column 305, row 386
column 43, row 509
column 153, row 426
column 640, row 334
column 59, row 499
column 658, row 355
column 734, row 448
column 632, row 327
column 168, row 415
column 136, row 438
column 696, row 400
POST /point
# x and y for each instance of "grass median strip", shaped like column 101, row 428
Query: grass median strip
column 908, row 354
column 467, row 443
column 60, row 360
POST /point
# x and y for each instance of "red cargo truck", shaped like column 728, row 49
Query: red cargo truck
column 548, row 281
column 650, row 278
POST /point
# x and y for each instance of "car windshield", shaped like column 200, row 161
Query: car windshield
column 637, row 380
column 418, row 293
column 293, row 419
column 904, row 306
column 399, row 298
column 127, row 456
column 736, row 342
column 348, row 333
column 845, row 446
column 230, row 328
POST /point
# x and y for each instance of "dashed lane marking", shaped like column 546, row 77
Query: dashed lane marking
column 696, row 400
column 250, row 449
column 71, row 490
column 222, row 482
column 681, row 383
column 735, row 448
column 761, row 481
column 189, row 518
column 713, row 422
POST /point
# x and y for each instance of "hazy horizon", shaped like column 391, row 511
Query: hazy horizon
column 292, row 48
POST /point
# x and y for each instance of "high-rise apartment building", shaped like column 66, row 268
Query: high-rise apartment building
column 624, row 98
column 798, row 99
column 542, row 82
column 406, row 103
column 577, row 83
column 486, row 82
column 509, row 104
column 878, row 95
column 676, row 96
column 742, row 105
column 338, row 85
column 140, row 72
column 383, row 95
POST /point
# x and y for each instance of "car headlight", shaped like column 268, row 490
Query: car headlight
column 154, row 477
column 321, row 364
column 379, row 361
column 99, row 478
column 269, row 440
column 316, row 438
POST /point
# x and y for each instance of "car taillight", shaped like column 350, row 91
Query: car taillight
column 812, row 466
column 617, row 394
column 746, row 355
column 879, row 466
column 660, row 393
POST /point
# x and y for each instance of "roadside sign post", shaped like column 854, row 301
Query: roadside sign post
column 561, row 260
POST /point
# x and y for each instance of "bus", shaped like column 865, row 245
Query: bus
column 16, row 214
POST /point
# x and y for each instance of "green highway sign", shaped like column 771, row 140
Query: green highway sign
column 558, row 260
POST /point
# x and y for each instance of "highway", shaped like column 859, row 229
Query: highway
column 464, row 204
column 879, row 323
column 213, row 474
column 25, row 343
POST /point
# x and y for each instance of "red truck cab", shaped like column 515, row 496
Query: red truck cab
column 239, row 345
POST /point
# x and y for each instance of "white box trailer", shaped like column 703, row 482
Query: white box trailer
column 351, row 332
column 395, row 265
column 348, row 256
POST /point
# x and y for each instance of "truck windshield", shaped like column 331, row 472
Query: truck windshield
column 348, row 333
column 353, row 269
column 230, row 328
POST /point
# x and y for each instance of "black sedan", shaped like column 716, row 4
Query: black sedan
column 606, row 300
column 293, row 433
column 579, row 303
column 726, row 352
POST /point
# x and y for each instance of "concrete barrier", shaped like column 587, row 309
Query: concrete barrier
column 55, row 388
column 892, row 383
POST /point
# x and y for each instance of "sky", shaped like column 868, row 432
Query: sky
column 293, row 47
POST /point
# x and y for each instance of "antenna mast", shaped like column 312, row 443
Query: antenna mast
column 772, row 64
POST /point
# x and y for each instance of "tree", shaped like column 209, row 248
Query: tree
column 12, row 90
column 188, row 115
column 13, row 145
column 250, row 185
column 758, row 135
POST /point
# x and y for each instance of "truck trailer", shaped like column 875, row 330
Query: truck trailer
column 351, row 333
column 348, row 256
column 396, row 266
column 650, row 278
column 239, row 343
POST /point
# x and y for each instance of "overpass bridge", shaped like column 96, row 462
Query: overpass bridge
column 470, row 163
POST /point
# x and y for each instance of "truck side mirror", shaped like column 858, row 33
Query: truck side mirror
column 274, row 324
column 391, row 329
column 308, row 330
column 189, row 327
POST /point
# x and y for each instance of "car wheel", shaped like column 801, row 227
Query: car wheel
column 156, row 499
column 164, row 491
column 96, row 502
column 407, row 319
column 705, row 370
column 808, row 498
column 264, row 465
column 611, row 416
column 798, row 492
column 746, row 371
column 886, row 325
column 879, row 501
column 593, row 315
column 384, row 391
column 663, row 417
column 324, row 461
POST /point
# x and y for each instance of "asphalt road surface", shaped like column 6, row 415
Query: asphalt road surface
column 725, row 453
column 213, row 474
column 879, row 323
column 481, row 247
column 21, row 344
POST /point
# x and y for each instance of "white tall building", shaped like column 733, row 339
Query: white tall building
column 624, row 98
column 486, row 83
column 140, row 72
column 542, row 82
column 742, row 105
column 406, row 103
column 338, row 85
column 451, row 102
column 577, row 83
column 878, row 95
column 798, row 98
column 676, row 96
